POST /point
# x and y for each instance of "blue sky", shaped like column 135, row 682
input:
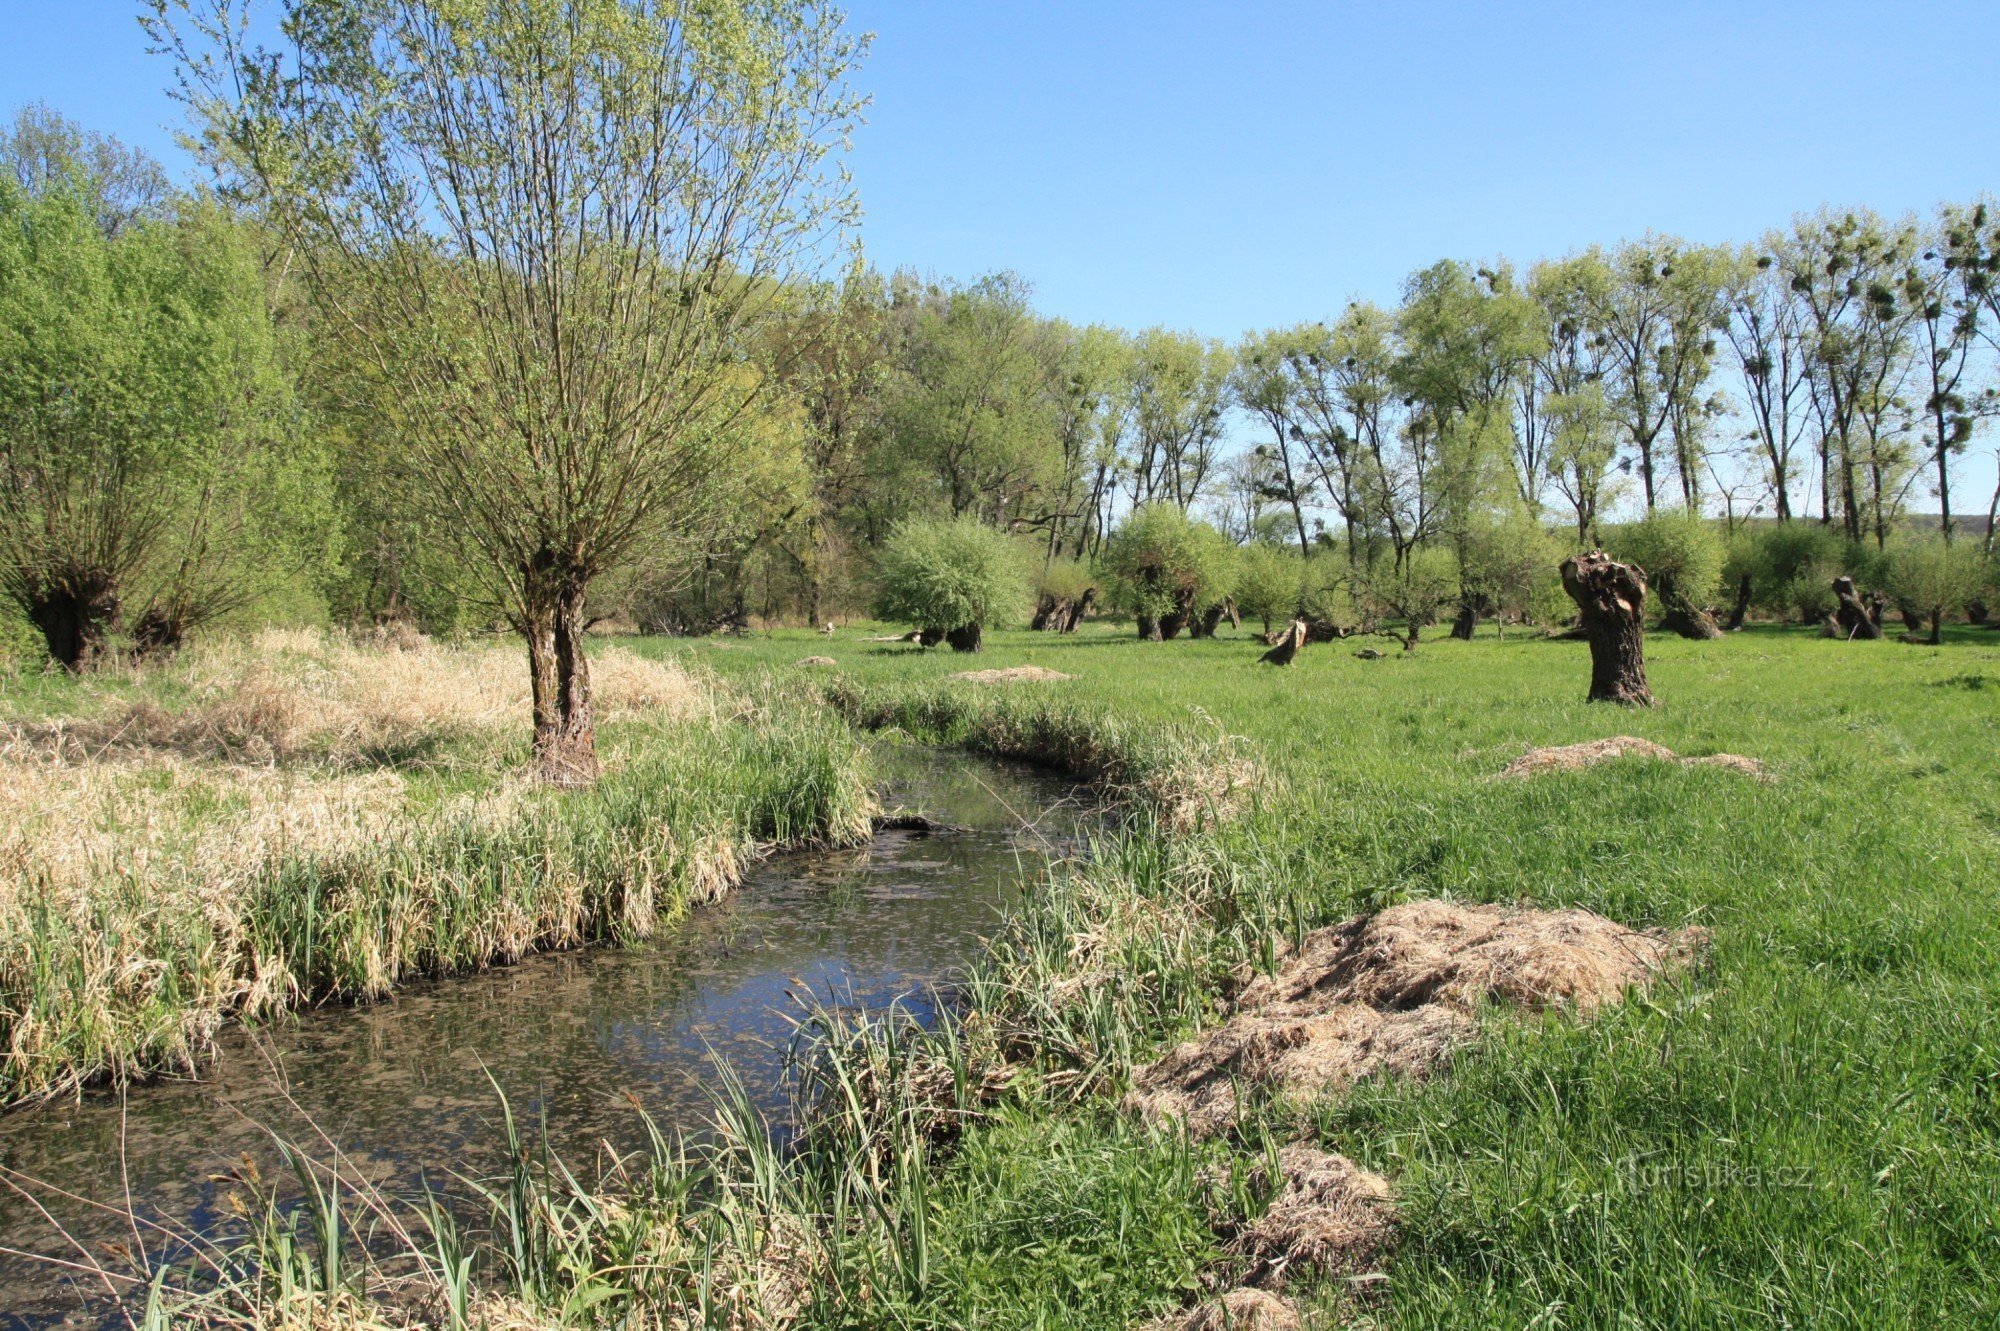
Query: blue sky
column 1219, row 167
column 1222, row 167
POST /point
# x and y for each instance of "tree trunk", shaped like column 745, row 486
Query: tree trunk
column 965, row 638
column 1149, row 628
column 1467, row 621
column 1079, row 609
column 559, row 672
column 1286, row 649
column 1611, row 597
column 1178, row 618
column 930, row 637
column 1046, row 608
column 1851, row 619
column 158, row 633
column 74, row 611
column 1210, row 619
column 1937, row 628
column 1742, row 606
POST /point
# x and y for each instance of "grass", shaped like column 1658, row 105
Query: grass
column 1804, row 1132
column 1807, row 1133
column 298, row 820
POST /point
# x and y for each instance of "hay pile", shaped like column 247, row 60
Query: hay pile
column 1238, row 1310
column 1395, row 993
column 1026, row 674
column 1576, row 757
column 818, row 661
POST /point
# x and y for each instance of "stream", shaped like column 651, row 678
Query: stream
column 402, row 1086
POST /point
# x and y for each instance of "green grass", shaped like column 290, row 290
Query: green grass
column 1802, row 1131
column 1806, row 1132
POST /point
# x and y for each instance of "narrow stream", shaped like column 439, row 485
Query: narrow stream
column 404, row 1085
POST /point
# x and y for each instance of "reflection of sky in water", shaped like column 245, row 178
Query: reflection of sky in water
column 404, row 1084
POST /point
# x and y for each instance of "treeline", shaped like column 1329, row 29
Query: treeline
column 190, row 430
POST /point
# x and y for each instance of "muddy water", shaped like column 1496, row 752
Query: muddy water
column 404, row 1085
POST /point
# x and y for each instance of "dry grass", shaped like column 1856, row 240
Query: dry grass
column 1024, row 674
column 297, row 816
column 1576, row 757
column 1393, row 994
column 290, row 694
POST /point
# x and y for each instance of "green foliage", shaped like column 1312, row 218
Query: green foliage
column 950, row 574
column 1511, row 562
column 1270, row 582
column 1681, row 551
column 1934, row 577
column 154, row 458
column 1065, row 579
column 1162, row 560
column 1795, row 564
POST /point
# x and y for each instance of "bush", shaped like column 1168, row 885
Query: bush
column 951, row 579
column 1269, row 582
column 1168, row 566
column 1793, row 568
column 1682, row 553
column 1933, row 578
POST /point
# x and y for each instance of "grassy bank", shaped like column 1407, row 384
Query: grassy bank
column 1800, row 1132
column 299, row 819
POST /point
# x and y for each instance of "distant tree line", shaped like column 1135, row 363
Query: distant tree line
column 534, row 319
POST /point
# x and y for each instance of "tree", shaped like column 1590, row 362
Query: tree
column 554, row 233
column 1934, row 578
column 146, row 441
column 1611, row 598
column 1167, row 567
column 1945, row 294
column 1466, row 337
column 1263, row 385
column 1426, row 582
column 951, row 578
column 1269, row 580
column 1178, row 387
column 1847, row 270
column 1766, row 337
column 1681, row 554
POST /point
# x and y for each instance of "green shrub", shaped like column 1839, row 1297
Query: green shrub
column 1270, row 582
column 1168, row 565
column 1794, row 565
column 951, row 578
column 1682, row 553
column 1933, row 579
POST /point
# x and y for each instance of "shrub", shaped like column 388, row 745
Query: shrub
column 951, row 579
column 1269, row 582
column 1933, row 578
column 1794, row 566
column 1167, row 566
column 1682, row 553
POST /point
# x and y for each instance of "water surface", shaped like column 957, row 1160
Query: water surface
column 402, row 1086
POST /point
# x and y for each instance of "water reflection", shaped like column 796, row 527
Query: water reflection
column 572, row 1038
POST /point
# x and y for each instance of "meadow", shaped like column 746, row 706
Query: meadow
column 1804, row 1131
column 1801, row 1130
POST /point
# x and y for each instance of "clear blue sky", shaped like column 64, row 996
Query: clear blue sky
column 1226, row 166
column 1219, row 167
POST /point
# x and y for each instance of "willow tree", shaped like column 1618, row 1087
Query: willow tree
column 553, row 232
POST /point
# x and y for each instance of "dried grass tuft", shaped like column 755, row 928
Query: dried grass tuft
column 1393, row 994
column 1576, row 757
column 1023, row 674
column 1238, row 1310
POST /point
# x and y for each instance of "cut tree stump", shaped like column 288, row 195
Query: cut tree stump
column 1288, row 644
column 1851, row 617
column 1612, row 598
